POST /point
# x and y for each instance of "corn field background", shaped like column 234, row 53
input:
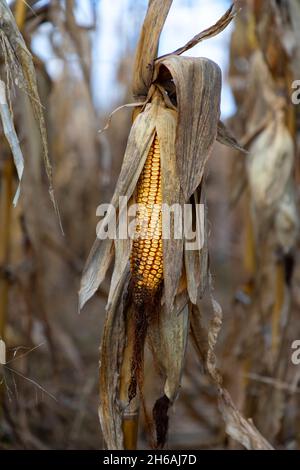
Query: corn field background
column 83, row 54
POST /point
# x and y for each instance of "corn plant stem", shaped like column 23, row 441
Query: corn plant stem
column 131, row 412
column 20, row 13
column 277, row 308
column 280, row 269
column 5, row 231
column 249, row 257
column 250, row 268
column 6, row 205
column 6, row 198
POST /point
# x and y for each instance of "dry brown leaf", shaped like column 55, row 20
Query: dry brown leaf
column 2, row 352
column 238, row 428
column 196, row 261
column 11, row 136
column 269, row 164
column 95, row 270
column 22, row 69
column 112, row 345
column 286, row 222
column 171, row 194
column 198, row 92
column 148, row 46
column 225, row 137
column 168, row 339
column 122, row 253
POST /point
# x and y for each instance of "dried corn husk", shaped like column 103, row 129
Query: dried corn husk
column 269, row 164
column 198, row 91
column 270, row 176
column 287, row 219
column 148, row 46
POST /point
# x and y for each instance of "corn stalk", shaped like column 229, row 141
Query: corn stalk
column 6, row 196
column 6, row 186
column 266, row 121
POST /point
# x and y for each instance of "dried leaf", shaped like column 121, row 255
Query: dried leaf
column 286, row 222
column 225, row 137
column 139, row 142
column 269, row 164
column 238, row 427
column 112, row 345
column 212, row 335
column 148, row 46
column 208, row 33
column 171, row 194
column 204, row 258
column 12, row 138
column 95, row 270
column 22, row 65
column 196, row 260
column 261, row 99
column 198, row 91
column 168, row 339
column 2, row 352
column 198, row 333
column 122, row 253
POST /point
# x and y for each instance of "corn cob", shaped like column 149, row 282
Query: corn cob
column 146, row 259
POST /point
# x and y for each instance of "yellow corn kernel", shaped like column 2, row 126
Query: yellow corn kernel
column 146, row 260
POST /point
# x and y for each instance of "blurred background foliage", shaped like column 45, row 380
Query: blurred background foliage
column 83, row 53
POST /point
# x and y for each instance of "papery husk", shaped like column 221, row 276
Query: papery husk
column 196, row 261
column 97, row 264
column 171, row 194
column 261, row 100
column 269, row 164
column 168, row 339
column 192, row 263
column 198, row 91
column 286, row 222
column 225, row 137
column 122, row 253
column 168, row 336
column 270, row 175
column 147, row 48
column 111, row 356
